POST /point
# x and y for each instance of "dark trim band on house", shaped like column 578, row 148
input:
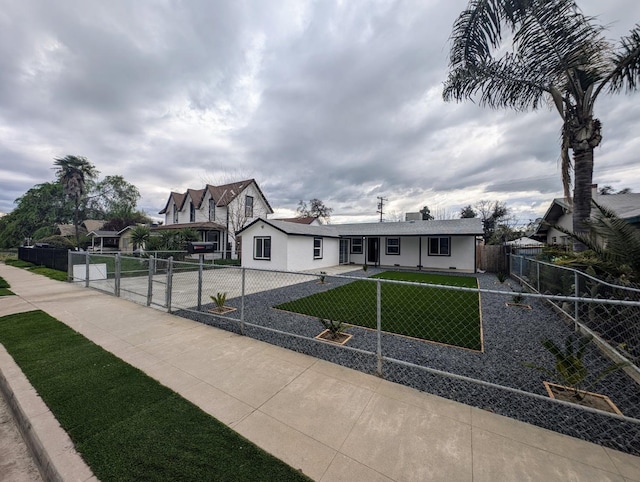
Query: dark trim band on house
column 262, row 247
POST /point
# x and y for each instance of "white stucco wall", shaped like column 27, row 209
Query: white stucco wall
column 278, row 259
column 300, row 254
column 462, row 255
column 408, row 253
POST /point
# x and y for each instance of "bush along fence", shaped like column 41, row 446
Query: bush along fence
column 482, row 340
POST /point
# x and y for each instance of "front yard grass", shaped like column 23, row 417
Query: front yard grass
column 51, row 273
column 126, row 425
column 4, row 287
column 426, row 312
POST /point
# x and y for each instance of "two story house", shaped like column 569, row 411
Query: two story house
column 217, row 213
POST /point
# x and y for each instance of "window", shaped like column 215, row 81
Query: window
column 317, row 248
column 175, row 214
column 262, row 247
column 393, row 245
column 248, row 206
column 356, row 245
column 214, row 237
column 212, row 210
column 440, row 246
column 192, row 213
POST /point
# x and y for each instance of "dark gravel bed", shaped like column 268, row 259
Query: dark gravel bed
column 511, row 335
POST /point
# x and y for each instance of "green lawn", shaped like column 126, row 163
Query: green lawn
column 428, row 313
column 4, row 287
column 126, row 425
column 42, row 270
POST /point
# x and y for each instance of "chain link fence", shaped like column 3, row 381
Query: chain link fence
column 476, row 339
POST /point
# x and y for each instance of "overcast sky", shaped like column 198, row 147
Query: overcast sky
column 336, row 100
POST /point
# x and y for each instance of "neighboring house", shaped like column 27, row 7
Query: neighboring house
column 84, row 227
column 626, row 206
column 216, row 213
column 434, row 244
column 104, row 241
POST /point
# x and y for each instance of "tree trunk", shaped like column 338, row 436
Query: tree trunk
column 583, row 166
column 75, row 220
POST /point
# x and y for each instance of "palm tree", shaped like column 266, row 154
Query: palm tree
column 74, row 172
column 139, row 236
column 559, row 55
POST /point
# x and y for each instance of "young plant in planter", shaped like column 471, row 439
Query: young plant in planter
column 333, row 331
column 502, row 277
column 365, row 267
column 518, row 300
column 569, row 368
column 219, row 299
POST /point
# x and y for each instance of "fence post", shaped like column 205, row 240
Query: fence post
column 117, row 275
column 86, row 269
column 200, row 282
column 69, row 266
column 169, row 292
column 577, row 295
column 242, row 302
column 379, row 327
column 521, row 263
column 152, row 268
column 538, row 276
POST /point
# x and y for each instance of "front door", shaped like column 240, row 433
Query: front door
column 344, row 251
column 373, row 250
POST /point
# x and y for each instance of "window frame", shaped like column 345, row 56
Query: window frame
column 248, row 206
column 192, row 212
column 357, row 246
column 317, row 250
column 439, row 253
column 261, row 240
column 389, row 251
column 212, row 209
column 176, row 219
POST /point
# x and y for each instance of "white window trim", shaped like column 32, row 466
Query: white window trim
column 356, row 243
column 393, row 246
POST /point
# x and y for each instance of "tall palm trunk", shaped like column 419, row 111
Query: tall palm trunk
column 76, row 220
column 583, row 165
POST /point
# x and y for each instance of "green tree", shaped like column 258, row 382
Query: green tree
column 467, row 212
column 558, row 54
column 113, row 197
column 42, row 206
column 139, row 236
column 491, row 214
column 74, row 172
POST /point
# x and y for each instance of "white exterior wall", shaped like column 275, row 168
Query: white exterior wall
column 300, row 254
column 279, row 248
column 462, row 257
column 409, row 255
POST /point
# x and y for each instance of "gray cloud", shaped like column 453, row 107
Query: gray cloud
column 335, row 100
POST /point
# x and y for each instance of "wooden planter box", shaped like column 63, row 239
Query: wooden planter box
column 593, row 400
column 341, row 339
column 221, row 310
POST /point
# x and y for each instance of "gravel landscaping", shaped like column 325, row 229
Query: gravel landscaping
column 512, row 336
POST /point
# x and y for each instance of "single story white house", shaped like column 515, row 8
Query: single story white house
column 428, row 245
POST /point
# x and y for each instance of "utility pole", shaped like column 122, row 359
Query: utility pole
column 380, row 211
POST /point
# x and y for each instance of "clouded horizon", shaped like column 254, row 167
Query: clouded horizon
column 335, row 100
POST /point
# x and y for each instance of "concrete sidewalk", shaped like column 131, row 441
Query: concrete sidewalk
column 333, row 423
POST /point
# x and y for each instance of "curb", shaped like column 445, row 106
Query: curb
column 54, row 455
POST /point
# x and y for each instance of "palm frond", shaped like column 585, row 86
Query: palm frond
column 626, row 73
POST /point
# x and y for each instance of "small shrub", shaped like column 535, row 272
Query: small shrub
column 334, row 327
column 502, row 277
column 518, row 298
column 365, row 267
column 569, row 368
column 219, row 299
